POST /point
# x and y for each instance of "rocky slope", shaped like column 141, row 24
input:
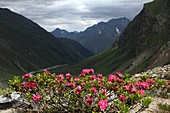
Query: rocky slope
column 103, row 34
column 25, row 46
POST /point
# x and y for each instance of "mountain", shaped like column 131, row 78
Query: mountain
column 25, row 46
column 103, row 34
column 143, row 45
column 64, row 34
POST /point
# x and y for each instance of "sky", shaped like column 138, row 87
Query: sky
column 73, row 15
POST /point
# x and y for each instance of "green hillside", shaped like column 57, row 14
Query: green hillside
column 25, row 46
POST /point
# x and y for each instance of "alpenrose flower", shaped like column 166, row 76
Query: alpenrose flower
column 113, row 78
column 142, row 92
column 46, row 72
column 100, row 76
column 68, row 76
column 94, row 90
column 102, row 91
column 150, row 81
column 86, row 72
column 143, row 85
column 78, row 90
column 60, row 77
column 28, row 85
column 122, row 98
column 72, row 85
column 119, row 74
column 89, row 100
column 26, row 76
column 77, row 79
column 36, row 97
column 93, row 77
column 103, row 104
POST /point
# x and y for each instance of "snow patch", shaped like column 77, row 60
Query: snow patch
column 117, row 30
column 100, row 32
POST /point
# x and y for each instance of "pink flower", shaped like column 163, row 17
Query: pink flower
column 60, row 77
column 122, row 98
column 133, row 90
column 150, row 81
column 36, row 97
column 94, row 90
column 91, row 71
column 118, row 79
column 46, row 72
column 93, row 77
column 111, row 78
column 119, row 74
column 78, row 90
column 103, row 92
column 30, row 85
column 83, row 83
column 141, row 92
column 86, row 72
column 143, row 85
column 24, row 84
column 77, row 79
column 89, row 100
column 130, row 87
column 72, row 85
column 68, row 76
column 102, row 104
column 168, row 82
column 26, row 76
column 127, row 87
column 100, row 76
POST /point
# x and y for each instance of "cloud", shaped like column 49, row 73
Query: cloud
column 73, row 14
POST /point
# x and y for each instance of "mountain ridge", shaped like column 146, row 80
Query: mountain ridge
column 102, row 33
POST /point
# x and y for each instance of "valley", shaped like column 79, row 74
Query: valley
column 111, row 66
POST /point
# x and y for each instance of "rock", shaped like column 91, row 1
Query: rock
column 12, row 110
column 160, row 72
column 16, row 100
column 153, row 107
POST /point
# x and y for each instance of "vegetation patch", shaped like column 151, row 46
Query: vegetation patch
column 87, row 92
column 164, row 107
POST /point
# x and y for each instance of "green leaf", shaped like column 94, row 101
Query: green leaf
column 146, row 102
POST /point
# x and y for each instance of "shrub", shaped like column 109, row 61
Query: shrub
column 84, row 93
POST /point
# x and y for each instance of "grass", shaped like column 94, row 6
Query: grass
column 164, row 107
column 155, row 6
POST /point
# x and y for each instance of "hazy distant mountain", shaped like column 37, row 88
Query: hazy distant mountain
column 98, row 37
column 64, row 34
column 24, row 45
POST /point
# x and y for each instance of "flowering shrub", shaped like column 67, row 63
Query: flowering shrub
column 85, row 93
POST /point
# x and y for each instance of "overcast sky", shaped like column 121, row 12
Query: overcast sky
column 73, row 15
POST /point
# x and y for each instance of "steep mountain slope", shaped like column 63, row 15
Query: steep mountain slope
column 103, row 34
column 25, row 46
column 144, row 44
